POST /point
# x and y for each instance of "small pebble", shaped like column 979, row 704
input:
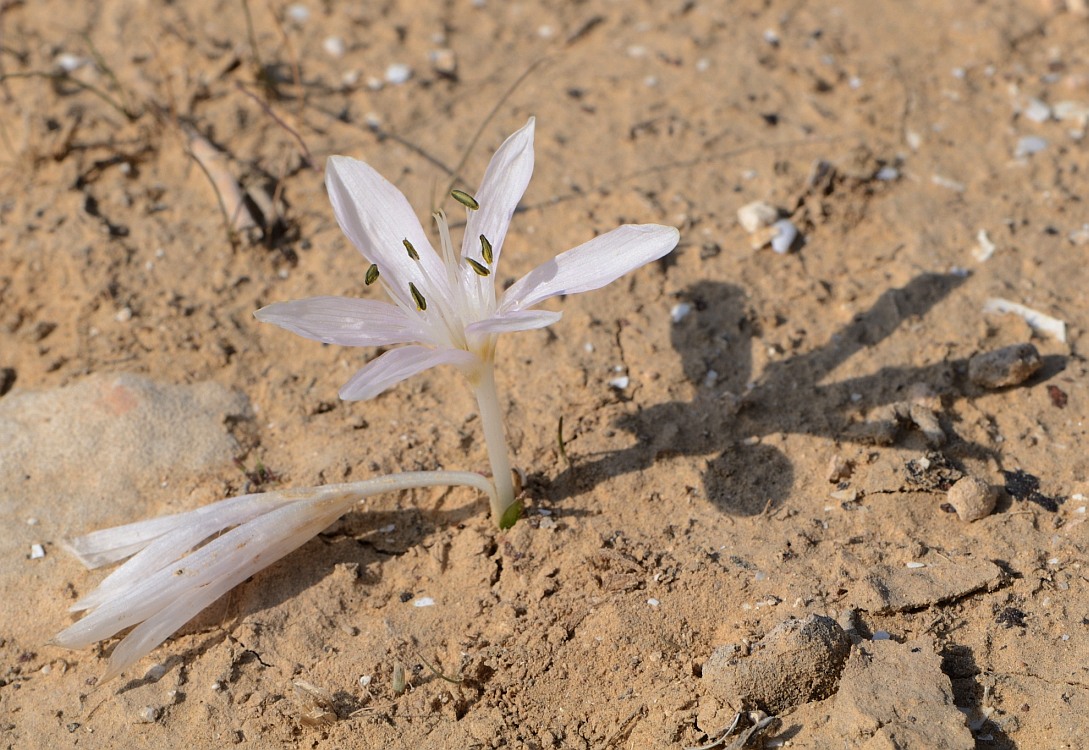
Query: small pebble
column 424, row 601
column 915, row 565
column 1029, row 145
column 680, row 311
column 37, row 552
column 148, row 715
column 839, row 469
column 848, row 495
column 887, row 174
column 298, row 13
column 334, row 46
column 972, row 498
column 444, row 62
column 756, row 215
column 365, row 680
column 620, row 383
column 784, row 239
column 1010, row 365
column 70, row 63
column 1037, row 111
column 653, row 602
column 398, row 73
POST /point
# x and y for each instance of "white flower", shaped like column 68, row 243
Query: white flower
column 171, row 576
column 445, row 307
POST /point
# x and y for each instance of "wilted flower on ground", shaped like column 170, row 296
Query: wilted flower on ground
column 171, row 577
column 444, row 308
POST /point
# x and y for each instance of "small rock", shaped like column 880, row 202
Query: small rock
column 797, row 662
column 895, row 695
column 334, row 46
column 757, row 215
column 444, row 62
column 1029, row 145
column 148, row 715
column 1010, row 365
column 398, row 73
column 839, row 469
column 972, row 498
column 785, row 237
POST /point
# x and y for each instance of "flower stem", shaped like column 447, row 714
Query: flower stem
column 504, row 510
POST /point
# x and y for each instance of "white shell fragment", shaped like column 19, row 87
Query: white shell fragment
column 985, row 249
column 756, row 215
column 620, row 383
column 1036, row 320
column 784, row 240
column 37, row 552
column 424, row 601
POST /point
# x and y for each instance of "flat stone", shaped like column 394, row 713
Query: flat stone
column 886, row 589
column 1010, row 365
column 895, row 695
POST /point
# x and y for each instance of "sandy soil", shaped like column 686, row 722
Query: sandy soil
column 694, row 508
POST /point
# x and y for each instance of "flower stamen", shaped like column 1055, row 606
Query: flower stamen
column 372, row 274
column 411, row 250
column 486, row 249
column 421, row 303
column 480, row 268
column 465, row 199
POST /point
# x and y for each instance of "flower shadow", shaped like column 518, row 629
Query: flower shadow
column 727, row 420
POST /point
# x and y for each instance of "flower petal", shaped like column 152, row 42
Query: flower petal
column 400, row 364
column 343, row 320
column 503, row 185
column 592, row 264
column 377, row 219
column 516, row 320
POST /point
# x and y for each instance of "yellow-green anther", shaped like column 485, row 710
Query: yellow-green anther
column 486, row 249
column 464, row 199
column 480, row 268
column 372, row 274
column 421, row 303
column 411, row 250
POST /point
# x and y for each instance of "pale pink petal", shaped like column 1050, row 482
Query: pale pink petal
column 400, row 364
column 343, row 320
column 516, row 320
column 503, row 185
column 592, row 265
column 377, row 219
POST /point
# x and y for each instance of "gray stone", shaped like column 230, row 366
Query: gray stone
column 1010, row 365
